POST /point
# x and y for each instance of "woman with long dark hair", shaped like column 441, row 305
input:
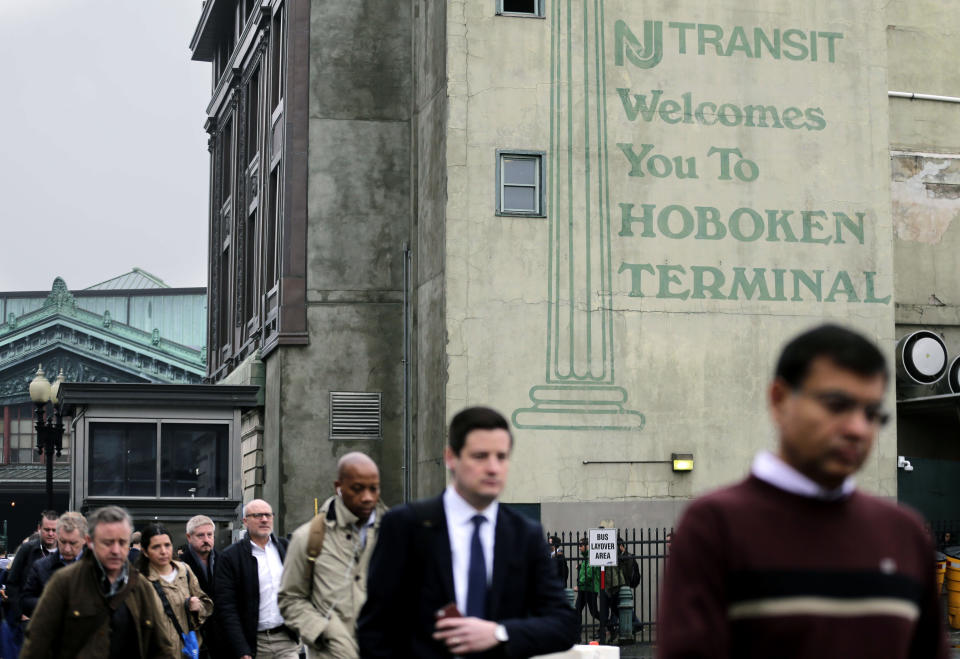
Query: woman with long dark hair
column 180, row 597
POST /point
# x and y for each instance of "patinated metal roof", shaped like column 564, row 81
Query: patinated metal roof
column 86, row 336
column 137, row 299
column 136, row 279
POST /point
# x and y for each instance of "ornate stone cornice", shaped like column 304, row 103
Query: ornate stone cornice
column 118, row 357
column 15, row 378
column 62, row 312
column 60, row 323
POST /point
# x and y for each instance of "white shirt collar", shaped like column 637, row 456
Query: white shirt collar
column 458, row 511
column 460, row 531
column 771, row 469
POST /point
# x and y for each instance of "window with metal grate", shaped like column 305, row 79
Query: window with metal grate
column 356, row 415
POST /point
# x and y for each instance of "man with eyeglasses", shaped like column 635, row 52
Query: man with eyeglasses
column 795, row 561
column 246, row 584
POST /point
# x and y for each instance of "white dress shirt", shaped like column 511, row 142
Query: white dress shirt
column 771, row 469
column 269, row 571
column 460, row 526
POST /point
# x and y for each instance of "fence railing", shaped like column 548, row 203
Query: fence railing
column 940, row 528
column 649, row 548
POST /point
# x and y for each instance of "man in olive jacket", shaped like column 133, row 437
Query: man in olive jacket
column 98, row 607
column 324, row 610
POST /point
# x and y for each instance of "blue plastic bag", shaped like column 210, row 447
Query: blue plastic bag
column 191, row 645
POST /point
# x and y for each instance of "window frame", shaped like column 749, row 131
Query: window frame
column 158, row 422
column 538, row 11
column 539, row 185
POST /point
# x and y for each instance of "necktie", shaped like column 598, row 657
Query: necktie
column 477, row 574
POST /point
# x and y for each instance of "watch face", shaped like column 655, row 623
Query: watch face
column 500, row 633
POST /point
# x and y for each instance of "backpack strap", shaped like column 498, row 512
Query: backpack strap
column 166, row 606
column 318, row 528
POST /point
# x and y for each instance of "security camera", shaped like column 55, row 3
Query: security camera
column 903, row 463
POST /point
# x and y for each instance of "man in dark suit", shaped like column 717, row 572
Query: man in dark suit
column 202, row 558
column 460, row 574
column 246, row 583
column 29, row 553
column 71, row 534
column 559, row 560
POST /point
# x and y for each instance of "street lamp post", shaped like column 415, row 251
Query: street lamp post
column 49, row 427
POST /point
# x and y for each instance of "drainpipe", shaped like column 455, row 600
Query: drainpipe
column 924, row 97
column 405, row 469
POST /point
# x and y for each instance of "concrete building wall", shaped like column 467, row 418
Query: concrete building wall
column 611, row 331
column 925, row 160
column 921, row 47
column 429, row 348
column 358, row 202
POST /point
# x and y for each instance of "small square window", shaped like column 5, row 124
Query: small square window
column 520, row 7
column 520, row 183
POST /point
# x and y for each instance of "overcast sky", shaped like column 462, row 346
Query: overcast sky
column 103, row 164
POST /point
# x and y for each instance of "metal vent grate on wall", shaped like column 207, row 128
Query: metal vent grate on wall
column 355, row 415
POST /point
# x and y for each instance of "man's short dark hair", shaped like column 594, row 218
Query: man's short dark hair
column 845, row 348
column 475, row 418
column 52, row 515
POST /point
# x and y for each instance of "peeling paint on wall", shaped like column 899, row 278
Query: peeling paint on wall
column 925, row 203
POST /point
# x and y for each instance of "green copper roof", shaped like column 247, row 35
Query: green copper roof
column 137, row 298
column 135, row 279
column 111, row 335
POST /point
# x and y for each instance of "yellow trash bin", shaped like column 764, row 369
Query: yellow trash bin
column 953, row 590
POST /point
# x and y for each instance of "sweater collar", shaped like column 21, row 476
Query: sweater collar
column 771, row 469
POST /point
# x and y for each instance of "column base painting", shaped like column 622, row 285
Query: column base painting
column 578, row 407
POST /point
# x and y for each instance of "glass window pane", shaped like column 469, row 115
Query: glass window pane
column 194, row 460
column 520, row 6
column 519, row 170
column 25, row 427
column 123, row 459
column 26, row 456
column 520, row 199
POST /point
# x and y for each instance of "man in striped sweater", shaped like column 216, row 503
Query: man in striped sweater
column 794, row 562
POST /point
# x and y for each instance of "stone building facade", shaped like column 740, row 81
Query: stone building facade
column 602, row 218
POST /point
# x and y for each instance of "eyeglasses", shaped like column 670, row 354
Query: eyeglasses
column 839, row 403
column 260, row 515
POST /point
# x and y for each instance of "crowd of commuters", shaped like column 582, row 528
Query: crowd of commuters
column 339, row 587
column 793, row 551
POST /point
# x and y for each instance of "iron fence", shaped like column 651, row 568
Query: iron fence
column 940, row 528
column 649, row 548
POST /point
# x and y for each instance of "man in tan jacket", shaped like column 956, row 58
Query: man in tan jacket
column 324, row 609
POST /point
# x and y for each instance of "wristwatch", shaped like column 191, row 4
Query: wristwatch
column 500, row 633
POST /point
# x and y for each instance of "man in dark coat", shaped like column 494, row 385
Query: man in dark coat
column 71, row 534
column 460, row 574
column 202, row 558
column 99, row 606
column 252, row 626
column 559, row 560
column 29, row 553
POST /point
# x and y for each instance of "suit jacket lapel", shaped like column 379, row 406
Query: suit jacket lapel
column 501, row 564
column 434, row 522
